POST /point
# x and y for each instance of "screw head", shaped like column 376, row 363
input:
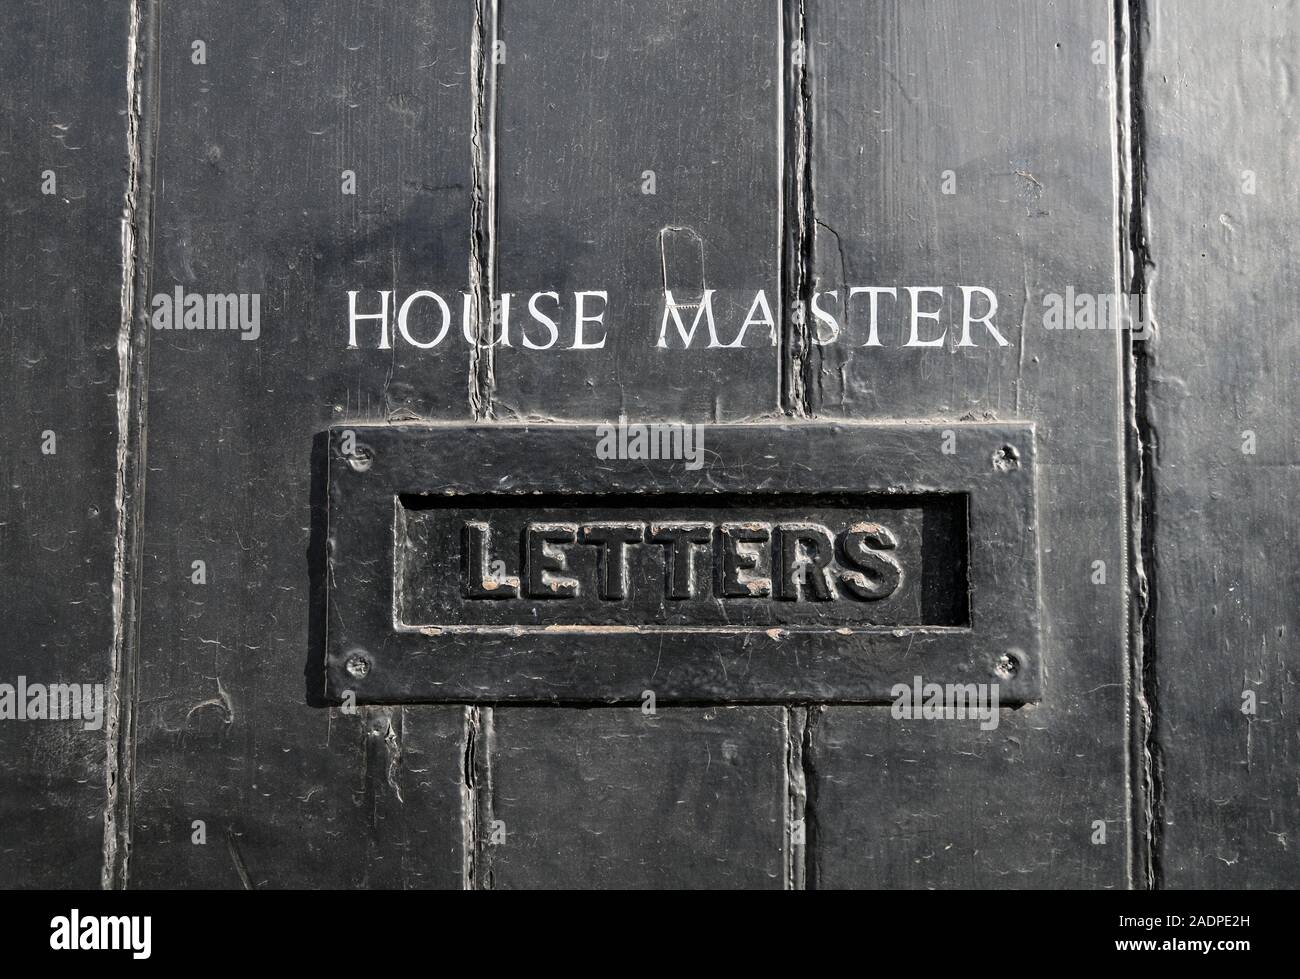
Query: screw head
column 362, row 459
column 1006, row 459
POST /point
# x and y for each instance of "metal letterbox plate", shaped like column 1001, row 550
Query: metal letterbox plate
column 802, row 562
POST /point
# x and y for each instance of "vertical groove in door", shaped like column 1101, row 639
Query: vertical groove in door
column 1134, row 261
column 476, row 798
column 477, row 794
column 801, row 790
column 799, row 231
column 795, row 798
column 132, row 399
column 482, row 267
column 798, row 214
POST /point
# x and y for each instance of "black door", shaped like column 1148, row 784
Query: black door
column 595, row 443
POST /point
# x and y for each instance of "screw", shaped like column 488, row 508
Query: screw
column 1006, row 459
column 362, row 459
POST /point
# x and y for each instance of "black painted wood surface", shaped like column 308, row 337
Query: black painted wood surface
column 508, row 146
column 63, row 89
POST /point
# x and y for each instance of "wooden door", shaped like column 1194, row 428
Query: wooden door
column 264, row 390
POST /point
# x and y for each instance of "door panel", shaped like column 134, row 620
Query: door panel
column 618, row 798
column 591, row 96
column 63, row 186
column 1223, row 201
column 1002, row 105
column 252, row 149
column 615, row 173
